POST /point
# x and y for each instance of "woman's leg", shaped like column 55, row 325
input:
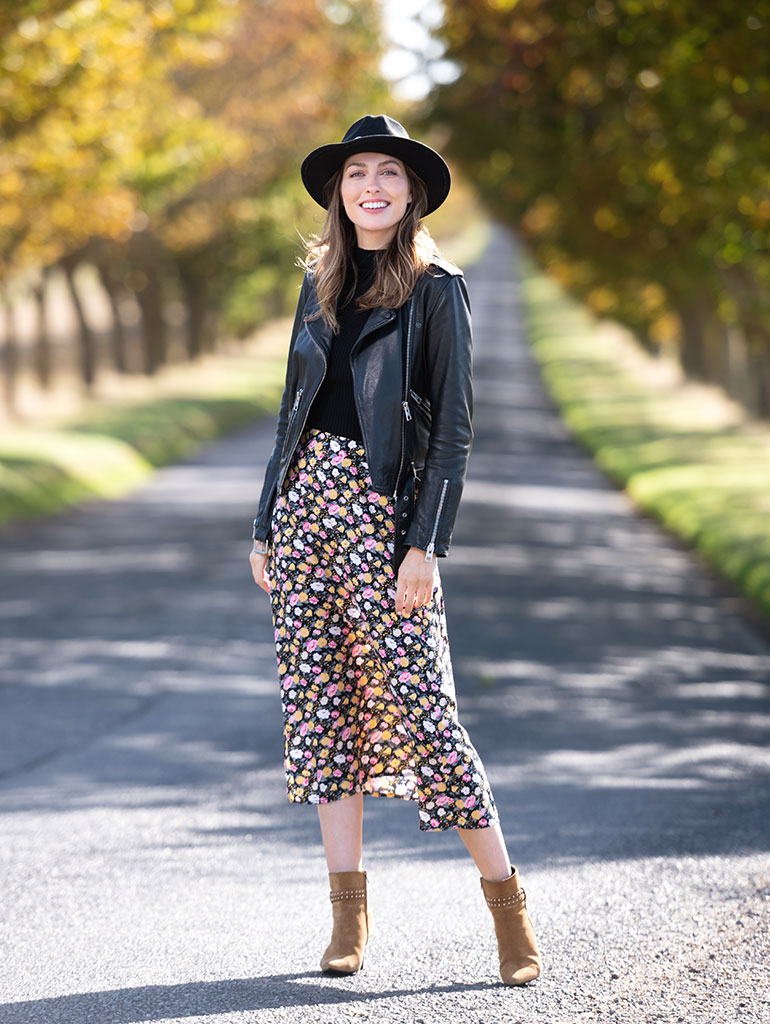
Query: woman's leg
column 488, row 849
column 342, row 831
column 342, row 826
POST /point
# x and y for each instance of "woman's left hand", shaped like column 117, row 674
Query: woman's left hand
column 414, row 586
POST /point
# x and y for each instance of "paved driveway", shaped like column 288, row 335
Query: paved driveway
column 153, row 870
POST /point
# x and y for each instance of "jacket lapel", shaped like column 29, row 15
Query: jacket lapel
column 321, row 333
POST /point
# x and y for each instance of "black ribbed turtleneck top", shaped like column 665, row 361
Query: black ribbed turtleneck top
column 334, row 408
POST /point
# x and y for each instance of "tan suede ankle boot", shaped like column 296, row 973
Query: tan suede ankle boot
column 516, row 943
column 352, row 923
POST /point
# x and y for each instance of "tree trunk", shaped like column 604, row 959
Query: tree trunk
column 10, row 356
column 153, row 324
column 715, row 352
column 86, row 337
column 693, row 317
column 195, row 294
column 42, row 345
column 117, row 342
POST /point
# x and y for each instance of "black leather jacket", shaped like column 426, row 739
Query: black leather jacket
column 417, row 439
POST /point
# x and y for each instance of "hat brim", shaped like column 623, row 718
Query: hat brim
column 320, row 165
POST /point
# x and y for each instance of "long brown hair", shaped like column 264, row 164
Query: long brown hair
column 408, row 254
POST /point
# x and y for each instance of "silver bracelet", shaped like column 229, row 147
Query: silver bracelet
column 261, row 547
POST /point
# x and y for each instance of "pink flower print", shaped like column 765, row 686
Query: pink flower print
column 405, row 676
column 466, row 777
column 452, row 757
column 401, row 652
column 370, row 543
column 407, row 627
column 442, row 799
column 470, row 802
column 311, row 644
column 376, row 736
column 356, row 649
column 303, row 729
column 434, row 822
column 293, row 599
column 368, row 692
column 333, row 509
column 337, row 459
column 303, row 477
column 345, row 734
column 331, row 689
column 368, row 592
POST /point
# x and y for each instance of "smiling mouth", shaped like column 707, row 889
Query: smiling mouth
column 374, row 205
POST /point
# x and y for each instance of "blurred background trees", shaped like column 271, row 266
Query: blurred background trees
column 153, row 147
column 629, row 143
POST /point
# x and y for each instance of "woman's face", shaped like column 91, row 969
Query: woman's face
column 375, row 192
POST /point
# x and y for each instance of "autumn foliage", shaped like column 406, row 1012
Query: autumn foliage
column 159, row 142
column 629, row 142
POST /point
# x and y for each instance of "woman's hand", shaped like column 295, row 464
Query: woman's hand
column 414, row 586
column 259, row 570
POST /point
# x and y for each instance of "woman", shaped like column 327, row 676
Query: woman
column 359, row 501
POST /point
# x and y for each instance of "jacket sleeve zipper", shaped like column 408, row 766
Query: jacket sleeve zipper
column 432, row 543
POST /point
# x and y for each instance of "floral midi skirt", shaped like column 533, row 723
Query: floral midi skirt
column 368, row 695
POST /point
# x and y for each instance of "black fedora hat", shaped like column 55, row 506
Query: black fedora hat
column 377, row 133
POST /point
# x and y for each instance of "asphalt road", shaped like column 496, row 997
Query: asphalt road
column 153, row 870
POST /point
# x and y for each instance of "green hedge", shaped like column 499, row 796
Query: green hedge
column 684, row 452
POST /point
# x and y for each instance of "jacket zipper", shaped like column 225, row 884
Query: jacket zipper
column 432, row 543
column 300, row 392
column 405, row 402
column 294, row 407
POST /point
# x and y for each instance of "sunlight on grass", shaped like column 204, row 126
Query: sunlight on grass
column 113, row 444
column 685, row 452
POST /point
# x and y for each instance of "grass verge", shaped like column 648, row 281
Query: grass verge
column 113, row 444
column 684, row 452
